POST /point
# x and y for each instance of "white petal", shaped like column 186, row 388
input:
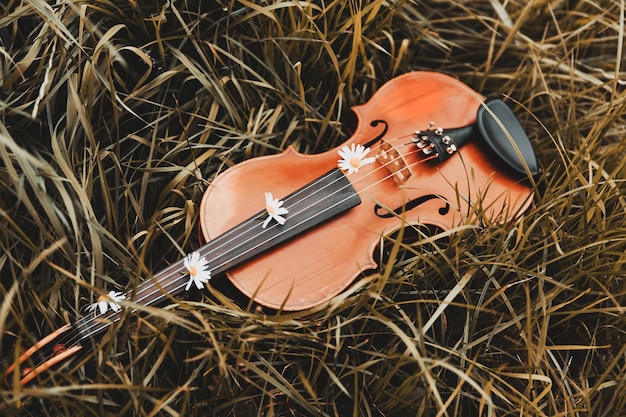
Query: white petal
column 367, row 161
column 345, row 165
column 361, row 151
column 103, row 306
column 116, row 296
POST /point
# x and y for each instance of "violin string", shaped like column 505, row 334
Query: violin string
column 115, row 316
column 88, row 332
column 286, row 200
column 156, row 290
column 316, row 214
column 87, row 318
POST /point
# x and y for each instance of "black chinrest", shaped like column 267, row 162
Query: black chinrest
column 503, row 133
column 500, row 130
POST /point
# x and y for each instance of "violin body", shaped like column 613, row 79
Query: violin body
column 402, row 187
column 300, row 252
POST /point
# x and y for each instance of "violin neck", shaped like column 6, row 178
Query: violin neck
column 320, row 200
column 316, row 202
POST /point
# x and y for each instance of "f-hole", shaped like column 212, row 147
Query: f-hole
column 375, row 123
column 410, row 205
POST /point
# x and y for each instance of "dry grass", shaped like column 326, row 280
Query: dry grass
column 114, row 117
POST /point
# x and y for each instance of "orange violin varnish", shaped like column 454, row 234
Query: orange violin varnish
column 402, row 183
column 292, row 231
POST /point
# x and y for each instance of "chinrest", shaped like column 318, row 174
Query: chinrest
column 497, row 126
column 504, row 135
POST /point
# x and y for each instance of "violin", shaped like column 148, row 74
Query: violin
column 292, row 231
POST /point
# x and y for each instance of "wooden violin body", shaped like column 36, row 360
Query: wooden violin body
column 301, row 251
column 468, row 188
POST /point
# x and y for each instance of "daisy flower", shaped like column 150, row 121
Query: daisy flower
column 198, row 269
column 354, row 158
column 106, row 301
column 274, row 210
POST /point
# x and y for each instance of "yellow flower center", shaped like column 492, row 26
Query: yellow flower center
column 103, row 297
column 355, row 162
column 193, row 270
column 270, row 210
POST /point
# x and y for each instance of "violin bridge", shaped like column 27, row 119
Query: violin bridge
column 390, row 158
